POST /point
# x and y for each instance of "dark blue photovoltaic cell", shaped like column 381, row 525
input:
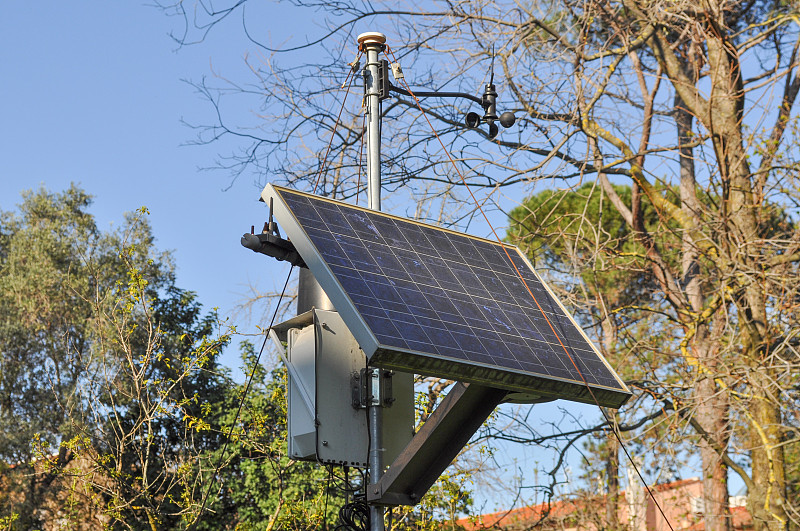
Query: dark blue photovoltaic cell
column 422, row 289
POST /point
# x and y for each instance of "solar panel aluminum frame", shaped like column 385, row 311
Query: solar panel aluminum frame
column 426, row 363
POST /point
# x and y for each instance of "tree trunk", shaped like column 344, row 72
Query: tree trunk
column 712, row 407
column 610, row 338
column 737, row 255
column 742, row 248
column 766, row 502
column 612, row 475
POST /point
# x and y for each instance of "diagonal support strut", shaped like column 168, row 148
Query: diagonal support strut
column 437, row 443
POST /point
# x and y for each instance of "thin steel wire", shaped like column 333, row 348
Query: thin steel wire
column 241, row 404
column 361, row 158
column 338, row 119
column 530, row 292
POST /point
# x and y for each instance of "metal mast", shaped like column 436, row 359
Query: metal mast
column 372, row 43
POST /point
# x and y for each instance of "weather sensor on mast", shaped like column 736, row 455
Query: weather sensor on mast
column 395, row 297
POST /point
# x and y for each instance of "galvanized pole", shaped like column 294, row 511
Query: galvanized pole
column 372, row 43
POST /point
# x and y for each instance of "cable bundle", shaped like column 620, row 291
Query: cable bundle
column 354, row 516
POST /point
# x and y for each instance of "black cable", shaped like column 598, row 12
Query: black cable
column 436, row 94
column 241, row 403
column 355, row 515
column 347, row 487
column 327, row 492
column 346, row 484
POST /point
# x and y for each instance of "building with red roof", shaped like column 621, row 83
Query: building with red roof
column 681, row 502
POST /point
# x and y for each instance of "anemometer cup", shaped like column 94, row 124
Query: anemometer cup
column 507, row 119
column 472, row 120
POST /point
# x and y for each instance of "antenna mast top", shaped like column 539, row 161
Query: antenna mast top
column 371, row 44
column 371, row 38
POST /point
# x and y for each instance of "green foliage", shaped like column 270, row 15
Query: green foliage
column 444, row 502
column 585, row 244
column 114, row 409
column 588, row 253
column 43, row 309
column 104, row 363
column 260, row 486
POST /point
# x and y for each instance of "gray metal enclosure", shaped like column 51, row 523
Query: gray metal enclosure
column 324, row 363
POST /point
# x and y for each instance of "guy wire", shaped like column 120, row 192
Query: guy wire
column 241, row 403
column 530, row 292
column 338, row 119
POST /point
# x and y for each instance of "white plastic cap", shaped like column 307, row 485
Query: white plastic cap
column 371, row 37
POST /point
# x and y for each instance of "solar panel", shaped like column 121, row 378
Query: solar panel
column 424, row 299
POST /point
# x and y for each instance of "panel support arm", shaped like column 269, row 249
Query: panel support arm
column 451, row 425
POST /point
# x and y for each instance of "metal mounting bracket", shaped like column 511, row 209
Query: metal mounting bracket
column 270, row 243
column 433, row 448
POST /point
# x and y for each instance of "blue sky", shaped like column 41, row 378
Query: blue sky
column 93, row 92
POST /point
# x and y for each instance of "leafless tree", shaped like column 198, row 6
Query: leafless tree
column 689, row 104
